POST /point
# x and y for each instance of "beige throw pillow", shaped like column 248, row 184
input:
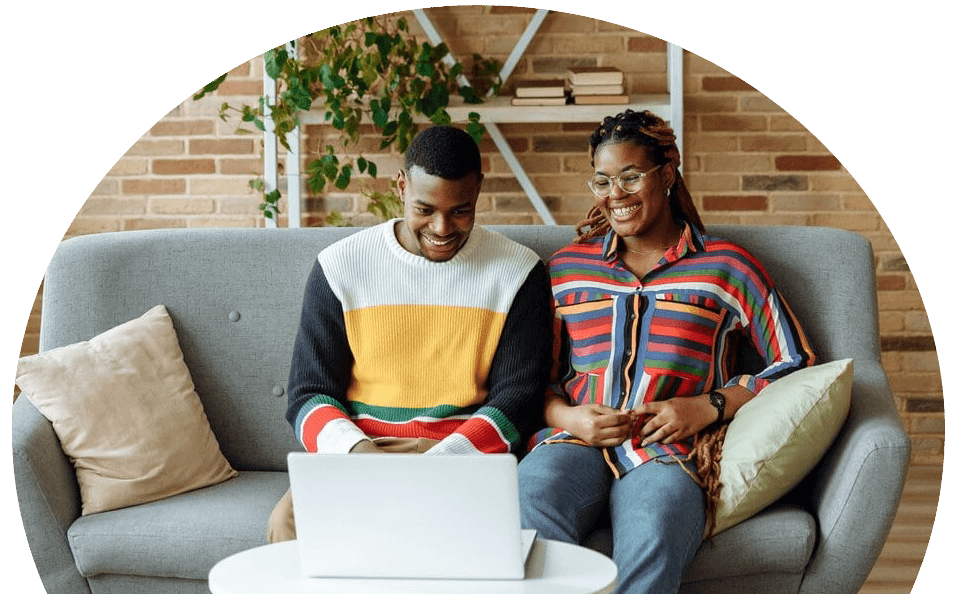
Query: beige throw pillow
column 124, row 407
column 777, row 438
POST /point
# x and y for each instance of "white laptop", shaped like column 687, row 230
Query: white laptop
column 408, row 516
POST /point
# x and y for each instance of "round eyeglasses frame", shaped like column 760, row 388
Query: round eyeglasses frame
column 597, row 182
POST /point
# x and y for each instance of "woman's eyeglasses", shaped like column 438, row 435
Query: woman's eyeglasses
column 629, row 181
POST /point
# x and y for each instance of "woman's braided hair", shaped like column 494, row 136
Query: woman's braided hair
column 705, row 458
column 652, row 133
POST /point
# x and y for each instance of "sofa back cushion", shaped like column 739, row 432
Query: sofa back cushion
column 235, row 295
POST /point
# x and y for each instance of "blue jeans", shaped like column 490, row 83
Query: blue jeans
column 656, row 511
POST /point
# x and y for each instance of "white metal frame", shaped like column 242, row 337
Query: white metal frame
column 271, row 174
column 493, row 111
column 501, row 142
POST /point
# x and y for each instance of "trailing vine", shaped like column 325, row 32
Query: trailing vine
column 368, row 72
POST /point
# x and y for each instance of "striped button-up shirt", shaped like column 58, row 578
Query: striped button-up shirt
column 623, row 341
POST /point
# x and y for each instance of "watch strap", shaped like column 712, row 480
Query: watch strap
column 718, row 401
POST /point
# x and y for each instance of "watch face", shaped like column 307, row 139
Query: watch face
column 719, row 401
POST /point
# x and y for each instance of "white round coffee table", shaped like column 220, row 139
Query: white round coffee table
column 552, row 568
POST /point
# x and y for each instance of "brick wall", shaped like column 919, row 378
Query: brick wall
column 745, row 161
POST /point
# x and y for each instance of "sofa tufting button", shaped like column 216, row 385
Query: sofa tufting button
column 234, row 316
column 278, row 390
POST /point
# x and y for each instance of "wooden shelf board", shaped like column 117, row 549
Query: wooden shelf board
column 499, row 110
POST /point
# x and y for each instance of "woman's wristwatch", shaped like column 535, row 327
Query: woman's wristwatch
column 719, row 402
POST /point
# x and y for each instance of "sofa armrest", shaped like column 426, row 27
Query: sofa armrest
column 856, row 488
column 49, row 498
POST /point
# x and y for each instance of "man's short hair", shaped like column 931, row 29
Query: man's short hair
column 443, row 151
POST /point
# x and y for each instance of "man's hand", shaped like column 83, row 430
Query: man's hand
column 365, row 446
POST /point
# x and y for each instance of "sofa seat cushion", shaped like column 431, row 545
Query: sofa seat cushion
column 183, row 536
column 778, row 541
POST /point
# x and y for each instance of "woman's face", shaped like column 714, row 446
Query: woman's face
column 645, row 212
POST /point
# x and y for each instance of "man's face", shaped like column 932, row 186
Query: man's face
column 438, row 214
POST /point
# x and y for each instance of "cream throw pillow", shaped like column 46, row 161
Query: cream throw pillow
column 124, row 407
column 777, row 438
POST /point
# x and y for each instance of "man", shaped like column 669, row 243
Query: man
column 423, row 334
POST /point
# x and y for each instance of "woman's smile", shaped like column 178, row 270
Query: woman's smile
column 622, row 212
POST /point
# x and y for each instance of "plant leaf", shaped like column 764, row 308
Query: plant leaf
column 344, row 179
column 210, row 87
column 274, row 61
column 378, row 114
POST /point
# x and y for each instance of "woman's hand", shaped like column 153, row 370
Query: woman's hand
column 677, row 419
column 595, row 424
column 674, row 420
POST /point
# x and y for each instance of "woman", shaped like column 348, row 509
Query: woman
column 649, row 311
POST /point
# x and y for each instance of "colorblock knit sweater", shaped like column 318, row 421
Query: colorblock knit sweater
column 394, row 345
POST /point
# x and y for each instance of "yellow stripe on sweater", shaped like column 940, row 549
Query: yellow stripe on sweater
column 435, row 354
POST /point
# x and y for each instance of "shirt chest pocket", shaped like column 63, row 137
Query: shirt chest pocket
column 588, row 326
column 682, row 339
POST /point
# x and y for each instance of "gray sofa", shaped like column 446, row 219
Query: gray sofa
column 234, row 296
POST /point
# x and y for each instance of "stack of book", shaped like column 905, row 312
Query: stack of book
column 596, row 85
column 540, row 92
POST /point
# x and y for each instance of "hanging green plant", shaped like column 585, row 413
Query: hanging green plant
column 371, row 72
